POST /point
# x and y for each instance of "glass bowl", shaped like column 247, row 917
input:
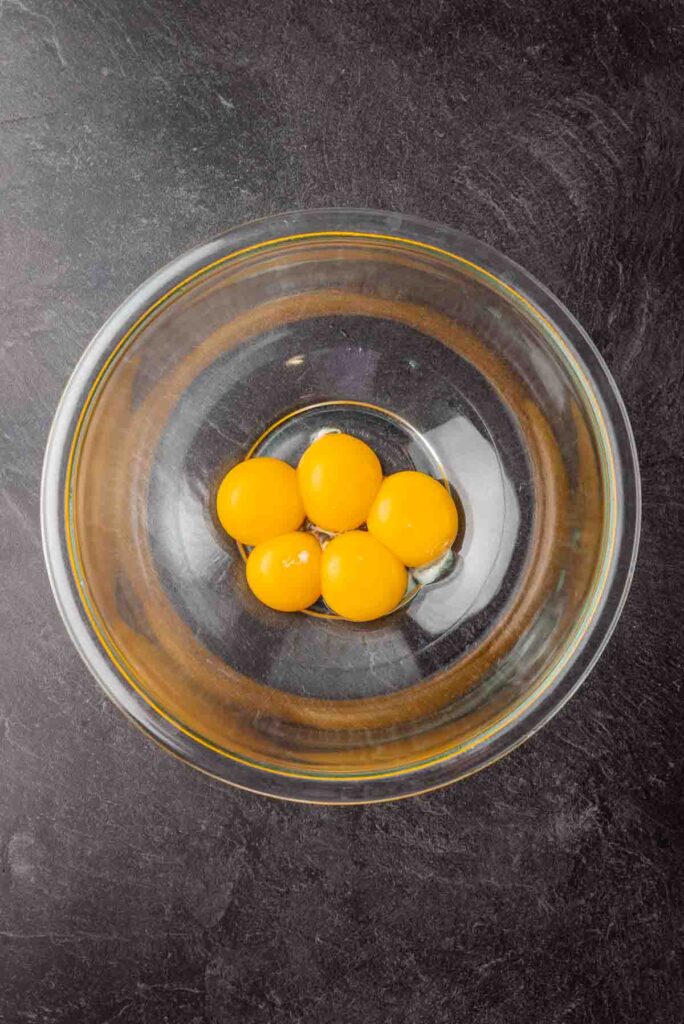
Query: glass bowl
column 445, row 356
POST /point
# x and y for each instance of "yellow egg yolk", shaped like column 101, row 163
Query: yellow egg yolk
column 361, row 579
column 339, row 476
column 258, row 499
column 285, row 572
column 415, row 517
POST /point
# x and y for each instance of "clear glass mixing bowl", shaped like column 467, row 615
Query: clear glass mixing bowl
column 446, row 357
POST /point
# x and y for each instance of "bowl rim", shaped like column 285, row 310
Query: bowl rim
column 255, row 235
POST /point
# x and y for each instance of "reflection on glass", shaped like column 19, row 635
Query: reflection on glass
column 491, row 521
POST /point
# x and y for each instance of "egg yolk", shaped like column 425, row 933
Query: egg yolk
column 258, row 499
column 285, row 572
column 339, row 476
column 415, row 517
column 361, row 579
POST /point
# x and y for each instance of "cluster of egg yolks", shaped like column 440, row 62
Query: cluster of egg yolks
column 338, row 485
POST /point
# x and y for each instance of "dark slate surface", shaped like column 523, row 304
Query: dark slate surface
column 550, row 888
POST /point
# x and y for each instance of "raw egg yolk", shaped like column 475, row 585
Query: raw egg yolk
column 285, row 572
column 339, row 476
column 415, row 517
column 361, row 578
column 258, row 499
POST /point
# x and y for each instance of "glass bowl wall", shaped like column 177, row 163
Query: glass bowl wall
column 444, row 356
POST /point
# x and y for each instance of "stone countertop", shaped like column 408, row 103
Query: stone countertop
column 550, row 888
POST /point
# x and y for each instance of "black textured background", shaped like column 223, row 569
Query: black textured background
column 550, row 888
